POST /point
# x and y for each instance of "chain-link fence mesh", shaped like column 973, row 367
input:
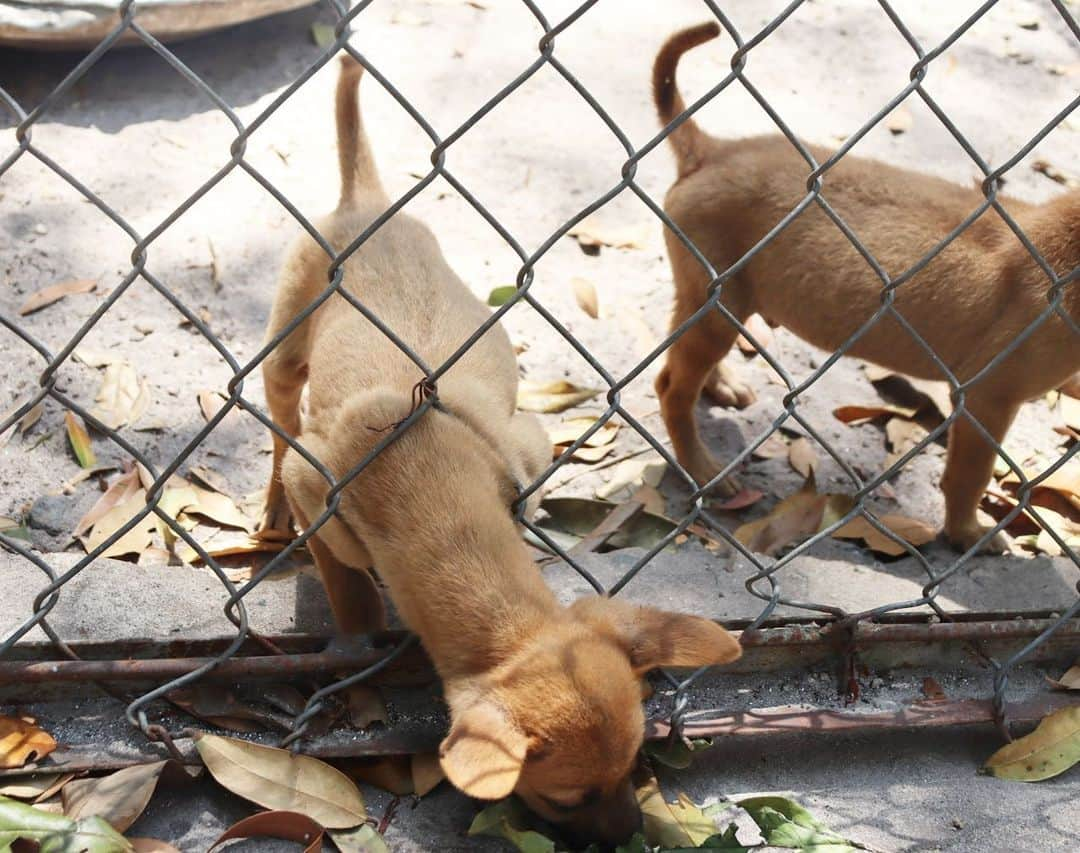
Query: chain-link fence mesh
column 766, row 580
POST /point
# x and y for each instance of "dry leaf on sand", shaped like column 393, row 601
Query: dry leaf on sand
column 55, row 292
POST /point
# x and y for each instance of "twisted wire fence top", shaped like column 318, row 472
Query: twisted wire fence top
column 739, row 46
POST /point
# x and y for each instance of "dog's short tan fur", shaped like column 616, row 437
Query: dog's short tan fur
column 968, row 304
column 544, row 699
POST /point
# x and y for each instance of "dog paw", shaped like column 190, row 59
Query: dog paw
column 965, row 538
column 275, row 522
column 725, row 389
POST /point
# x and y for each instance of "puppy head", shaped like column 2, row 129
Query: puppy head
column 560, row 724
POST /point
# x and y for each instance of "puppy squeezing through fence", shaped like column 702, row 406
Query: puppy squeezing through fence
column 544, row 699
column 969, row 302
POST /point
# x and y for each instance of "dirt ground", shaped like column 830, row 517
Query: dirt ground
column 141, row 137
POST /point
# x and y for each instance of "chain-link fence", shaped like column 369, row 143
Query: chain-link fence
column 766, row 580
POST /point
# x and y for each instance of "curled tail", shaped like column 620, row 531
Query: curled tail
column 358, row 172
column 686, row 139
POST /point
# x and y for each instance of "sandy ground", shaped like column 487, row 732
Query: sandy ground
column 143, row 139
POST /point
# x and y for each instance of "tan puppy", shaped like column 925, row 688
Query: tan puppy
column 544, row 700
column 968, row 304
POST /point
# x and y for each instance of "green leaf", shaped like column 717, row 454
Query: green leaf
column 1051, row 749
column 501, row 295
column 672, row 825
column 323, row 35
column 726, row 840
column 506, row 820
column 674, row 753
column 79, row 439
column 362, row 839
column 91, row 835
column 56, row 833
column 784, row 823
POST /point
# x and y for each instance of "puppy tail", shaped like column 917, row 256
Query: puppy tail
column 358, row 172
column 687, row 138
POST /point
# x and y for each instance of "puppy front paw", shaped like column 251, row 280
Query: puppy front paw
column 276, row 521
column 964, row 537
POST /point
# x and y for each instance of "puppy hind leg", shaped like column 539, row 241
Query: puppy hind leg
column 689, row 362
column 969, row 466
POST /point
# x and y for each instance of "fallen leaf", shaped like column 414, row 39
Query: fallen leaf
column 784, row 823
column 936, row 393
column 121, row 488
column 801, row 456
column 36, row 786
column 123, row 397
column 218, row 508
column 585, row 295
column 1048, row 751
column 499, row 296
column 151, row 845
column 506, row 820
column 570, row 429
column 861, row 414
column 54, row 293
column 211, row 402
column 55, row 833
column 94, row 358
column 136, row 540
column 79, row 440
column 671, row 825
column 915, row 532
column 14, row 529
column 427, row 773
column 230, row 543
column 22, row 742
column 899, row 121
column 362, row 839
column 791, row 520
column 591, row 233
column 771, row 448
column 745, row 498
column 278, row 779
column 588, row 455
column 1069, row 681
column 221, row 706
column 289, row 826
column 675, row 753
column 323, row 35
column 391, row 773
column 902, row 435
column 119, row 797
column 32, row 416
column 209, row 478
column 580, row 516
column 760, row 330
column 630, row 474
column 174, row 499
column 551, row 397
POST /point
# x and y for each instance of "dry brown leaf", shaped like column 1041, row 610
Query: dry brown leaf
column 79, row 439
column 230, row 543
column 745, row 498
column 366, row 706
column 218, row 508
column 54, row 293
column 801, row 456
column 899, row 120
column 794, row 518
column 119, row 797
column 31, row 417
column 136, row 540
column 174, row 500
column 279, row 779
column 123, row 397
column 151, row 845
column 551, row 397
column 210, row 403
column 209, row 478
column 121, row 488
column 287, row 825
column 653, row 501
column 585, row 295
column 591, row 233
column 427, row 773
column 391, row 773
column 760, row 330
column 862, row 414
column 570, row 429
column 21, row 741
column 588, row 455
column 915, row 532
column 35, row 787
column 1069, row 681
column 630, row 474
column 771, row 448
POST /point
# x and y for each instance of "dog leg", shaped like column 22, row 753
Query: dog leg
column 968, row 468
column 283, row 399
column 689, row 362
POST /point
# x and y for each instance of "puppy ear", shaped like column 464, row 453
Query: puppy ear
column 654, row 638
column 483, row 754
